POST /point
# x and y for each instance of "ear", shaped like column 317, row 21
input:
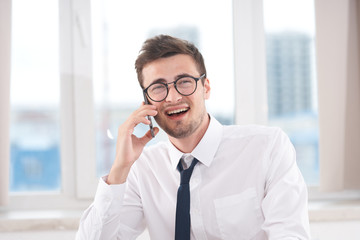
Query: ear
column 207, row 89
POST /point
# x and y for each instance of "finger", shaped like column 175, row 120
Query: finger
column 145, row 111
column 137, row 117
column 148, row 112
column 144, row 118
column 147, row 137
column 140, row 116
column 147, row 107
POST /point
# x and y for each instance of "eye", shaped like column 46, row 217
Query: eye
column 157, row 88
column 185, row 82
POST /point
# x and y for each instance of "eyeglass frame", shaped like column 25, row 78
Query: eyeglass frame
column 173, row 82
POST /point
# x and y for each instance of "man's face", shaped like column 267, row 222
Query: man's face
column 179, row 116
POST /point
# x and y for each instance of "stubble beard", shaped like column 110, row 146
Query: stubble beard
column 181, row 129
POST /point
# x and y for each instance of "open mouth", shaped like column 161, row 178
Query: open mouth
column 177, row 112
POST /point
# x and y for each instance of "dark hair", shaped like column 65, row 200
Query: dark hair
column 163, row 46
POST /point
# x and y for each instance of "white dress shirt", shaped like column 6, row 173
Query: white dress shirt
column 246, row 185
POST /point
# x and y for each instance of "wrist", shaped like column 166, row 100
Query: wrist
column 117, row 175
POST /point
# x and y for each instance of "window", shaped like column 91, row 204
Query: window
column 292, row 93
column 119, row 29
column 52, row 121
column 52, row 128
column 37, row 135
column 35, row 131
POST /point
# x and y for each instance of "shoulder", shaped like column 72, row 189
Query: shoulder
column 261, row 138
column 257, row 131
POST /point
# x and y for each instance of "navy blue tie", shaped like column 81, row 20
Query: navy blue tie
column 182, row 221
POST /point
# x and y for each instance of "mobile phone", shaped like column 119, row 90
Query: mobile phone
column 148, row 117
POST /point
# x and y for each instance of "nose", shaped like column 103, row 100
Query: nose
column 173, row 95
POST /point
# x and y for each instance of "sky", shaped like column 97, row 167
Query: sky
column 281, row 15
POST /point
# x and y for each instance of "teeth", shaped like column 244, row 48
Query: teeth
column 177, row 111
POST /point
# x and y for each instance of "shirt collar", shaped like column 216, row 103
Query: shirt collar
column 205, row 150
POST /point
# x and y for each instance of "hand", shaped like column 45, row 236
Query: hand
column 128, row 146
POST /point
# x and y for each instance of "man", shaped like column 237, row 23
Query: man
column 243, row 180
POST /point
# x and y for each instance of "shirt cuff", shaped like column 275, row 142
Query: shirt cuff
column 108, row 198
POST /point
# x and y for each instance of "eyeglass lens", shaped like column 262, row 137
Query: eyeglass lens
column 185, row 86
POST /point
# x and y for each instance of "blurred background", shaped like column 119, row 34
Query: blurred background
column 71, row 83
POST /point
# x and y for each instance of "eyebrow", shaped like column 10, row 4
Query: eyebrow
column 182, row 75
column 159, row 80
column 163, row 80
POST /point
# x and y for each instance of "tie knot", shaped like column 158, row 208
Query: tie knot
column 186, row 174
column 187, row 159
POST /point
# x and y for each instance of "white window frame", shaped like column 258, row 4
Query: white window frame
column 250, row 79
column 250, row 62
column 78, row 164
column 78, row 145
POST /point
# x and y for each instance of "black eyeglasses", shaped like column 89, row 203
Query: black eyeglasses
column 186, row 86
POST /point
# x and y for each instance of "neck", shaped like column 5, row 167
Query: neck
column 188, row 144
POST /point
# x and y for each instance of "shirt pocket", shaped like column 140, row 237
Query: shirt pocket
column 239, row 216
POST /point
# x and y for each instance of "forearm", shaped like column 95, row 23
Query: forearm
column 101, row 219
column 118, row 175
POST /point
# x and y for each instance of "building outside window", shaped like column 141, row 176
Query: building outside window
column 291, row 78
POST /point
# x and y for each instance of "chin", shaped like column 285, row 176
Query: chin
column 179, row 129
column 179, row 134
column 176, row 131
